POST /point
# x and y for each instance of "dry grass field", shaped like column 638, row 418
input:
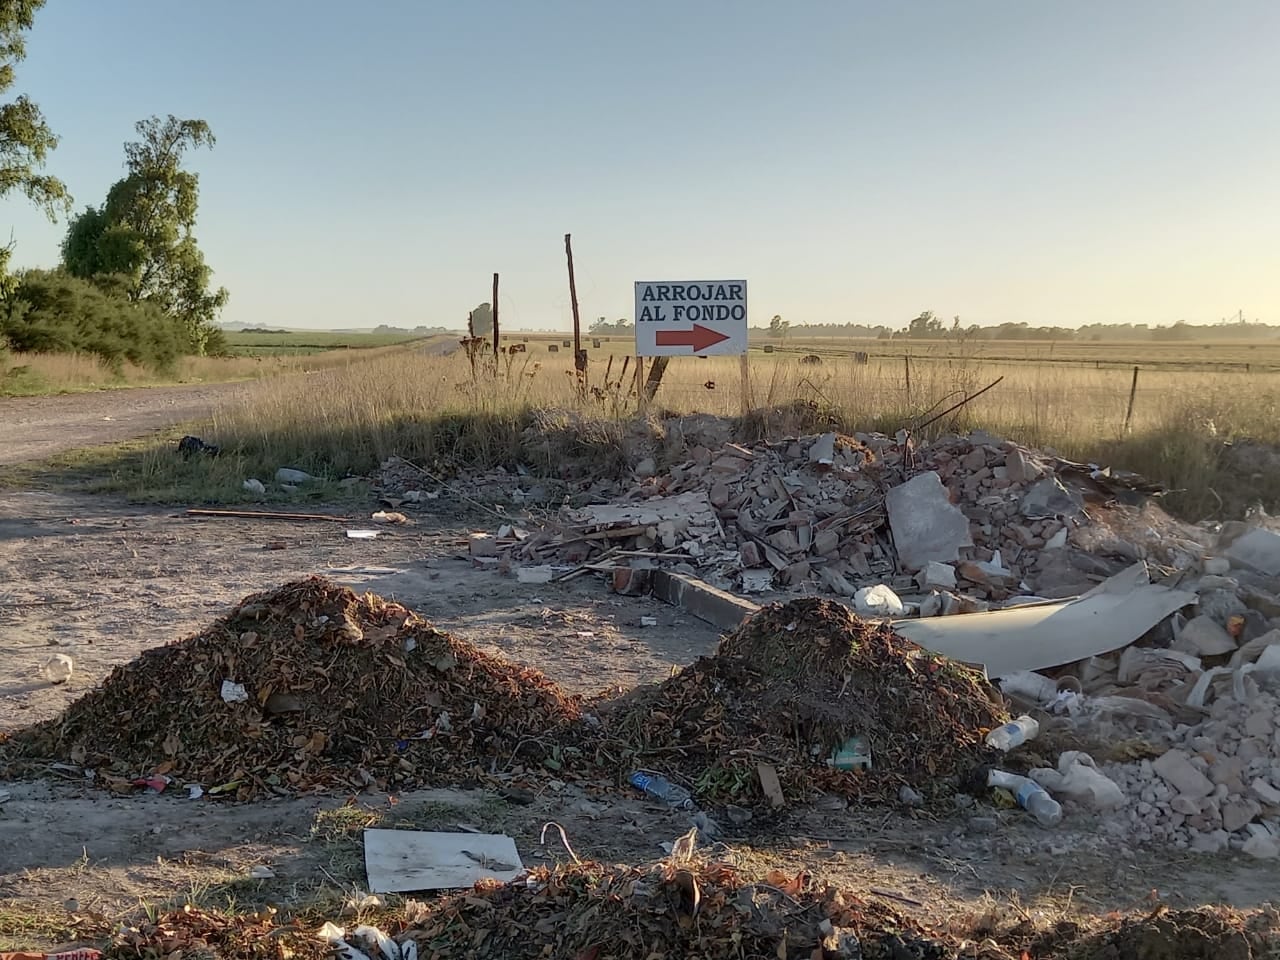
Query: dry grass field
column 440, row 410
column 37, row 374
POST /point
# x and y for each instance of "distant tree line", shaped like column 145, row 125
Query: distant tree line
column 928, row 326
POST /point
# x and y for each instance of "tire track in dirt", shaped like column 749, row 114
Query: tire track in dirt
column 33, row 428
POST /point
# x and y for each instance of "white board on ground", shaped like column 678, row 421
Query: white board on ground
column 691, row 318
column 398, row 861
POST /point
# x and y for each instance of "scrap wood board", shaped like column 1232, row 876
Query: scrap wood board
column 398, row 861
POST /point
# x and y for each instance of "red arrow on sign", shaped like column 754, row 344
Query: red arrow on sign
column 699, row 338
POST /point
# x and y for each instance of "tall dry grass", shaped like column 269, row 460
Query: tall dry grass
column 439, row 412
column 38, row 374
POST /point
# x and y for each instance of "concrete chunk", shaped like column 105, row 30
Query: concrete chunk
column 937, row 576
column 1265, row 792
column 716, row 607
column 1203, row 637
column 1020, row 468
column 1257, row 550
column 1238, row 811
column 1048, row 500
column 1175, row 768
column 926, row 525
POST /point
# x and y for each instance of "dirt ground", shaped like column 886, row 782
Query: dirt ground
column 32, row 428
column 101, row 580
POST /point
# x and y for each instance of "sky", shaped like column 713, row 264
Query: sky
column 1055, row 163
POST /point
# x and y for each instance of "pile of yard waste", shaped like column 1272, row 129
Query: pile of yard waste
column 310, row 685
column 793, row 685
column 580, row 911
column 590, row 911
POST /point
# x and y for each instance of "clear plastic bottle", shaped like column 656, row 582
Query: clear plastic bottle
column 1012, row 734
column 660, row 788
column 1031, row 797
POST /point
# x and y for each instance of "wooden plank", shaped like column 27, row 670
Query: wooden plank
column 770, row 785
column 264, row 515
column 399, row 861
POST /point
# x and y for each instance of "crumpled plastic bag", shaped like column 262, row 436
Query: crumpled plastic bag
column 1078, row 778
column 878, row 601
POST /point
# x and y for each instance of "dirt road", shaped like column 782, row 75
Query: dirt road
column 32, row 428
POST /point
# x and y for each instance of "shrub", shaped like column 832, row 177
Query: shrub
column 49, row 311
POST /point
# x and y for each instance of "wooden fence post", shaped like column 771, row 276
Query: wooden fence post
column 1133, row 393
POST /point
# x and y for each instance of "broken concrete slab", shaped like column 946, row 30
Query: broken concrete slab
column 1020, row 468
column 1174, row 767
column 716, row 607
column 926, row 525
column 1113, row 615
column 1048, row 499
column 1259, row 550
column 693, row 507
column 937, row 576
column 823, row 451
column 757, row 579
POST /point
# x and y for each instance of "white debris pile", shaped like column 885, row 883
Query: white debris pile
column 1218, row 788
column 961, row 523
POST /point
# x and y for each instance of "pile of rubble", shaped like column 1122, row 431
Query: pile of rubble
column 307, row 686
column 954, row 526
column 794, row 686
column 1203, row 691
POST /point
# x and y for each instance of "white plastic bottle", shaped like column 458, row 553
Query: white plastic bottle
column 1031, row 797
column 1012, row 734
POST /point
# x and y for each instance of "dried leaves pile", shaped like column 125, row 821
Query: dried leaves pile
column 591, row 911
column 792, row 684
column 191, row 932
column 312, row 686
column 341, row 690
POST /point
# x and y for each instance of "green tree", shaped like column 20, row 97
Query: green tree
column 50, row 311
column 25, row 138
column 603, row 328
column 145, row 231
column 925, row 325
column 778, row 327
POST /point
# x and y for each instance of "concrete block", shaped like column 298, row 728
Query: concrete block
column 1265, row 792
column 1203, row 637
column 1020, row 468
column 925, row 524
column 483, row 545
column 716, row 607
column 539, row 574
column 1257, row 550
column 1237, row 812
column 1216, row 566
column 1175, row 768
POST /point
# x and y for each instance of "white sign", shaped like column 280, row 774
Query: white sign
column 693, row 318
